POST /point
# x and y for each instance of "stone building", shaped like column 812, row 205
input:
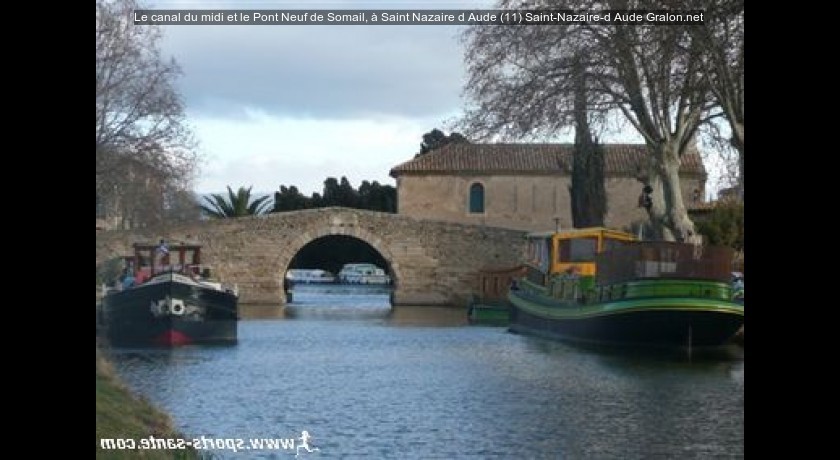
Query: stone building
column 526, row 186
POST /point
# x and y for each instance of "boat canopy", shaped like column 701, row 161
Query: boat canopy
column 153, row 258
column 575, row 249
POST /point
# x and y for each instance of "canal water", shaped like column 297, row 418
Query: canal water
column 365, row 381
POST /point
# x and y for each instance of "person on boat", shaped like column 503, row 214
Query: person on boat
column 162, row 254
column 738, row 282
column 738, row 287
column 128, row 280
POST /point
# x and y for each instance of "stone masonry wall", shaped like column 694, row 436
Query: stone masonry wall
column 432, row 262
column 522, row 202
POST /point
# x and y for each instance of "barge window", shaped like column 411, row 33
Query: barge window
column 578, row 250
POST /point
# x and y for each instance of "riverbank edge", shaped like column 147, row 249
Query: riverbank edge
column 122, row 414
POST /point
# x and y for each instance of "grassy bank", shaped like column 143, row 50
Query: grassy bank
column 120, row 414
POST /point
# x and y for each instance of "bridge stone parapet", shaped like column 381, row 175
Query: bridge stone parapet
column 431, row 262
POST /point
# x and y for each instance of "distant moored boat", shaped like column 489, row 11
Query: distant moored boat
column 363, row 273
column 308, row 276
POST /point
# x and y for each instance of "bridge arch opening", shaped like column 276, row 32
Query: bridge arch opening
column 330, row 252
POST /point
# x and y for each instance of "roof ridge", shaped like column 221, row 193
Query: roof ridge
column 622, row 159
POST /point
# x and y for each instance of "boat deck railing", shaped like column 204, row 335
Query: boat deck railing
column 660, row 259
column 646, row 289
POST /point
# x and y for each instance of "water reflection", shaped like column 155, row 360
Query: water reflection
column 369, row 387
column 640, row 403
column 340, row 302
column 428, row 316
column 251, row 311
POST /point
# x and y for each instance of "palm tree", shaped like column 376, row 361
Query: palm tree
column 235, row 204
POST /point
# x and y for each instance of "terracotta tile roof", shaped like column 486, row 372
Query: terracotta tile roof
column 702, row 206
column 709, row 205
column 620, row 159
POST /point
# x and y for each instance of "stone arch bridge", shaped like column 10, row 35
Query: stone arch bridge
column 431, row 262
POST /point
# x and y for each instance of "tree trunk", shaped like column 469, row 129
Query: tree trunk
column 738, row 143
column 677, row 220
column 668, row 214
column 656, row 212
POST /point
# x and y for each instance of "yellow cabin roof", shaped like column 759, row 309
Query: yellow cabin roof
column 587, row 232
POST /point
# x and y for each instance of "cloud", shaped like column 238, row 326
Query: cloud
column 266, row 151
column 293, row 105
column 320, row 71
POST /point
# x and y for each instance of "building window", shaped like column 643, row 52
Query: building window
column 476, row 198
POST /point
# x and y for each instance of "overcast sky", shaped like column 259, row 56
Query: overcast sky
column 292, row 105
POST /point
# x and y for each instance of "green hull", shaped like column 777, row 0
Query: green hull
column 650, row 312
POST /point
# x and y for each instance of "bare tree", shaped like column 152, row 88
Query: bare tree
column 722, row 39
column 182, row 207
column 521, row 84
column 719, row 152
column 140, row 122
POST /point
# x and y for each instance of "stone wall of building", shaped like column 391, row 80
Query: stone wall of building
column 522, row 202
column 432, row 262
column 511, row 201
